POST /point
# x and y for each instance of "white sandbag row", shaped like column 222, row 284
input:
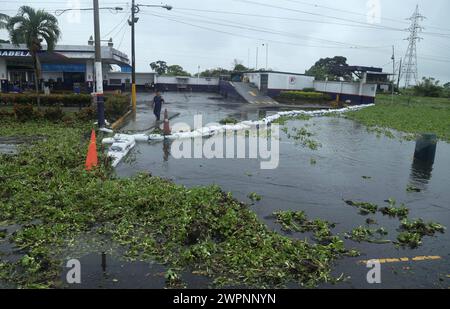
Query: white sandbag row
column 121, row 147
column 123, row 143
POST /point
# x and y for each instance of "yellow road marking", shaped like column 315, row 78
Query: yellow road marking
column 252, row 93
column 404, row 259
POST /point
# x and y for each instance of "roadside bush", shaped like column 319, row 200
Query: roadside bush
column 309, row 90
column 25, row 112
column 86, row 114
column 428, row 87
column 54, row 114
column 66, row 100
column 304, row 96
column 116, row 106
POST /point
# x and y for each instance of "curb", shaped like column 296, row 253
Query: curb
column 116, row 125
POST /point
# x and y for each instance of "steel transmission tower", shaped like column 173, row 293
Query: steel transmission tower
column 410, row 63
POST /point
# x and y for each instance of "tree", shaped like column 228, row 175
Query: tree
column 176, row 70
column 428, row 87
column 217, row 72
column 238, row 66
column 33, row 27
column 333, row 68
column 4, row 21
column 159, row 67
column 447, row 90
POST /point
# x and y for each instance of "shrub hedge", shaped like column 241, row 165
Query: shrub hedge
column 304, row 95
column 115, row 107
column 66, row 100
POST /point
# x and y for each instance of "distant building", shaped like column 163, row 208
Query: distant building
column 66, row 67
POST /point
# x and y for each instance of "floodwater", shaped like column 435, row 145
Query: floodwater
column 348, row 153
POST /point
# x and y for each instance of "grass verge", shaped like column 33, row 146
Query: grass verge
column 408, row 114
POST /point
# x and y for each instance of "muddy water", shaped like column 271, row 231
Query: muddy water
column 347, row 154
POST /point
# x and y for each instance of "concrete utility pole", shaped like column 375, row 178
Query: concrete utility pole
column 135, row 9
column 98, row 68
column 267, row 55
column 393, row 72
column 257, row 52
column 133, row 21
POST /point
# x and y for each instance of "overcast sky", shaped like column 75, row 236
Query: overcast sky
column 298, row 34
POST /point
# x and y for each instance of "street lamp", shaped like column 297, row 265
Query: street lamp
column 98, row 57
column 135, row 9
column 267, row 55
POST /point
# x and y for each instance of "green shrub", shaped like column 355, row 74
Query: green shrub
column 86, row 114
column 304, row 96
column 116, row 106
column 309, row 90
column 66, row 100
column 25, row 112
column 54, row 114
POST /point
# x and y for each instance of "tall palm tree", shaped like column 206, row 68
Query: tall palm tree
column 3, row 21
column 3, row 24
column 33, row 27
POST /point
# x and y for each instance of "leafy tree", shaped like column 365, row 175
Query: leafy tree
column 238, row 66
column 447, row 90
column 3, row 24
column 217, row 72
column 159, row 67
column 176, row 70
column 428, row 87
column 4, row 21
column 33, row 27
column 333, row 68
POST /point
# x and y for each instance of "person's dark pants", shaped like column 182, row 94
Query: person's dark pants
column 157, row 112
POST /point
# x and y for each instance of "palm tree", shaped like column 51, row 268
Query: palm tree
column 33, row 27
column 3, row 24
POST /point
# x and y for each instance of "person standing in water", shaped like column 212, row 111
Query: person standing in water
column 158, row 101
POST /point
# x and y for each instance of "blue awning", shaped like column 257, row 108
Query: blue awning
column 125, row 69
column 69, row 68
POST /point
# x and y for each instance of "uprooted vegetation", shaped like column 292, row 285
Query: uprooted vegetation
column 297, row 221
column 50, row 199
column 413, row 231
column 410, row 234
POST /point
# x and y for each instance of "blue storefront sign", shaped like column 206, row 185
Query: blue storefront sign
column 66, row 68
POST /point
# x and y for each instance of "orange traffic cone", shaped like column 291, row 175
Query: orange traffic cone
column 167, row 130
column 92, row 157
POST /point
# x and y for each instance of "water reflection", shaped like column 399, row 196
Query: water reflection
column 167, row 144
column 424, row 156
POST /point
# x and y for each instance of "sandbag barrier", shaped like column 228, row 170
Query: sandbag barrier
column 123, row 143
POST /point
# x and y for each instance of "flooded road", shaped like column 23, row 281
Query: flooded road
column 352, row 164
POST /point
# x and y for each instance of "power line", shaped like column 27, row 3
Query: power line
column 269, row 31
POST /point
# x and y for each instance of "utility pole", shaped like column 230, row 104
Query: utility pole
column 133, row 55
column 98, row 67
column 410, row 66
column 135, row 9
column 399, row 74
column 267, row 55
column 393, row 72
column 257, row 52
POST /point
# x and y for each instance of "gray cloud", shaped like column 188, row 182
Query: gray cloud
column 190, row 46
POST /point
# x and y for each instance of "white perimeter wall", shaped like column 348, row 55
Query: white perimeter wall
column 191, row 80
column 280, row 81
column 290, row 82
column 368, row 90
